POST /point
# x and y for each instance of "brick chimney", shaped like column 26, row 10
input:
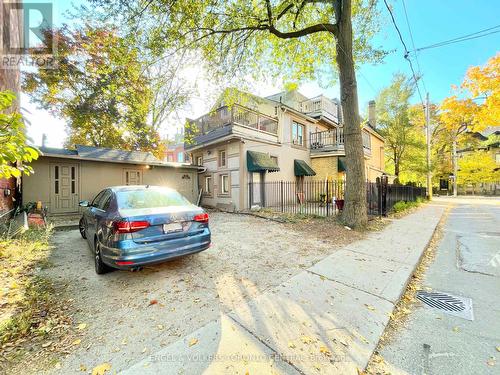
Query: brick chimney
column 372, row 114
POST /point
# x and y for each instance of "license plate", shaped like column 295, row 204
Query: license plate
column 172, row 227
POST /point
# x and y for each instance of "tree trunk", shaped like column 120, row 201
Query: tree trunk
column 396, row 166
column 354, row 213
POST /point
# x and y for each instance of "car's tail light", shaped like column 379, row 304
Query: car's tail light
column 130, row 226
column 201, row 218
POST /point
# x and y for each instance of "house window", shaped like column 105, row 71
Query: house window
column 366, row 140
column 224, row 184
column 180, row 157
column 275, row 159
column 208, row 184
column 73, row 180
column 298, row 133
column 199, row 160
column 222, row 158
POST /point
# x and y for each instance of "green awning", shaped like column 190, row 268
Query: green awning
column 341, row 164
column 301, row 168
column 261, row 162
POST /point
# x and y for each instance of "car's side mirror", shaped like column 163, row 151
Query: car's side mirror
column 84, row 204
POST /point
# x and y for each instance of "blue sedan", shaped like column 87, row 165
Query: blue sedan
column 127, row 227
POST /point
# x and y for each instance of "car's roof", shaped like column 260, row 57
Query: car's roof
column 137, row 187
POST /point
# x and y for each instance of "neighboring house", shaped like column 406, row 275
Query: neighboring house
column 64, row 177
column 283, row 137
column 175, row 152
column 488, row 141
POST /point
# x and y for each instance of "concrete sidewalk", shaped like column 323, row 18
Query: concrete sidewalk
column 327, row 319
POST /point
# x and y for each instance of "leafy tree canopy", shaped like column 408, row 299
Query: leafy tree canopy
column 14, row 153
column 99, row 88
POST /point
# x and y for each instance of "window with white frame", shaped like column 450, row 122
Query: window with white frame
column 199, row 160
column 208, row 184
column 222, row 158
column 298, row 131
column 224, row 184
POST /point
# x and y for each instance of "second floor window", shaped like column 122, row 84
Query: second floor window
column 298, row 134
column 199, row 160
column 180, row 157
column 366, row 140
column 222, row 158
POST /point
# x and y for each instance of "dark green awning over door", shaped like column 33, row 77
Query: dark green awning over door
column 301, row 168
column 261, row 162
column 341, row 164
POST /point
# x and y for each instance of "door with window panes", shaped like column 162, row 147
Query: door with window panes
column 64, row 188
column 132, row 177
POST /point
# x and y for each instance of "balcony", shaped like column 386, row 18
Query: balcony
column 333, row 141
column 321, row 106
column 224, row 121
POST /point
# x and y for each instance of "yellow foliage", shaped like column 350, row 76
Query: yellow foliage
column 485, row 82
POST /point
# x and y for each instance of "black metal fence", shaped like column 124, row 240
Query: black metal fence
column 326, row 198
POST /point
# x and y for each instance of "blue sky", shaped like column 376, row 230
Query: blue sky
column 430, row 21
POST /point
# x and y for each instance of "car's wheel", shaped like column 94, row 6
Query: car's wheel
column 100, row 267
column 81, row 227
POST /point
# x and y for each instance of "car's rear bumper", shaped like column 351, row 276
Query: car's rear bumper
column 147, row 254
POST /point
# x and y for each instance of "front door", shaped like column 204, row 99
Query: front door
column 132, row 177
column 257, row 188
column 64, row 188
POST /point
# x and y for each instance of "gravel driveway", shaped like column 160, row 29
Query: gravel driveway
column 129, row 315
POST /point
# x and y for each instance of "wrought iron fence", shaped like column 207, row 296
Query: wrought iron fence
column 326, row 198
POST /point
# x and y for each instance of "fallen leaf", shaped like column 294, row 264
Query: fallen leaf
column 77, row 342
column 144, row 350
column 456, row 329
column 491, row 362
column 58, row 365
column 317, row 366
column 101, row 369
column 370, row 307
column 153, row 302
column 193, row 342
column 47, row 344
column 291, row 345
column 83, row 368
column 306, row 339
column 498, row 348
column 82, row 326
column 325, row 351
column 160, row 326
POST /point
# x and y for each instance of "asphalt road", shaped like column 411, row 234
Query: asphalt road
column 467, row 264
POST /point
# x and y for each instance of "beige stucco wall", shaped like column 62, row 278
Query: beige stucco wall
column 210, row 157
column 95, row 176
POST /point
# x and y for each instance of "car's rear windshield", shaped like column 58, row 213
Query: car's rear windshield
column 149, row 198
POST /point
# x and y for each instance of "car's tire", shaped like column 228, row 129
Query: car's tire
column 81, row 228
column 100, row 267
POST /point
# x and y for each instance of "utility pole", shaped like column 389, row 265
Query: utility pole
column 455, row 166
column 428, row 139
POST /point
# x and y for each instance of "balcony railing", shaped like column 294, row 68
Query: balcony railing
column 333, row 140
column 321, row 105
column 237, row 115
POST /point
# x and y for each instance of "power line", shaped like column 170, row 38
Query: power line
column 406, row 53
column 413, row 45
column 461, row 38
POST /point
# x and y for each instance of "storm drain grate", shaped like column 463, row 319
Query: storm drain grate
column 448, row 303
